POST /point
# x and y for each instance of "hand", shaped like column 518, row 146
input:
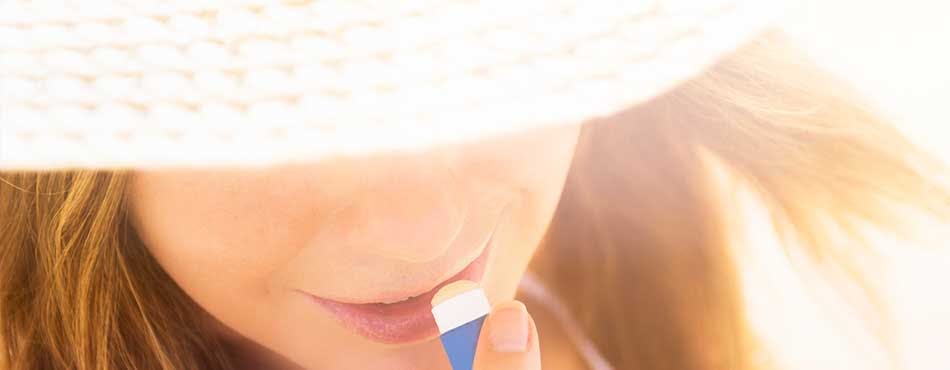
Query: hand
column 509, row 340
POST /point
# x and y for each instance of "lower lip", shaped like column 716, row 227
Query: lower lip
column 403, row 322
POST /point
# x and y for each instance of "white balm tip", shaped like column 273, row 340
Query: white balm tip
column 457, row 304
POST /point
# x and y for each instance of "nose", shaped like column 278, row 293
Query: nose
column 411, row 209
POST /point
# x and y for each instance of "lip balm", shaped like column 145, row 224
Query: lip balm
column 460, row 309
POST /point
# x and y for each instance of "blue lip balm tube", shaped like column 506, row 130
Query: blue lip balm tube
column 459, row 309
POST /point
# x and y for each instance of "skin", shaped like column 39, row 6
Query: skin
column 245, row 243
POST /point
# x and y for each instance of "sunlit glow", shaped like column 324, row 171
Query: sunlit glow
column 895, row 51
column 897, row 54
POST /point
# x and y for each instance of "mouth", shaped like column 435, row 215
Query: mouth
column 407, row 320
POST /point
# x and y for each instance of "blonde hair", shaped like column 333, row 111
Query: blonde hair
column 78, row 290
column 638, row 219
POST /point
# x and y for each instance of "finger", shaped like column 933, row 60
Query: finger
column 509, row 340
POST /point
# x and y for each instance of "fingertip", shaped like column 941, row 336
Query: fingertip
column 509, row 339
column 509, row 328
column 510, row 305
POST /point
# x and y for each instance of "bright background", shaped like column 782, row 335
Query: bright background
column 898, row 53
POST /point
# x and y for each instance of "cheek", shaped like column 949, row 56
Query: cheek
column 223, row 247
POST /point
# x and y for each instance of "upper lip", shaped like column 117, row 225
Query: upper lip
column 398, row 296
column 402, row 295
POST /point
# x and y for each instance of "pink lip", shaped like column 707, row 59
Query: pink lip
column 402, row 322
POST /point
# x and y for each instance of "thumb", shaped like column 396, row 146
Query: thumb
column 509, row 340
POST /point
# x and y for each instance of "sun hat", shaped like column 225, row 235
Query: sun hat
column 138, row 83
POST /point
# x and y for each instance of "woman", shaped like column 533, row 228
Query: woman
column 618, row 231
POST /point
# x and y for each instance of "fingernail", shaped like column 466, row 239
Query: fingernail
column 509, row 329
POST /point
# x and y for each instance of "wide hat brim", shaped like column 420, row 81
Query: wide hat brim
column 142, row 84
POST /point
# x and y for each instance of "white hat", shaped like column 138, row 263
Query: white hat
column 138, row 83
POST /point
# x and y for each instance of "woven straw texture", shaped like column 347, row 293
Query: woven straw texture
column 252, row 82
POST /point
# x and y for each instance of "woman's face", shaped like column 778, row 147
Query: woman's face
column 332, row 264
